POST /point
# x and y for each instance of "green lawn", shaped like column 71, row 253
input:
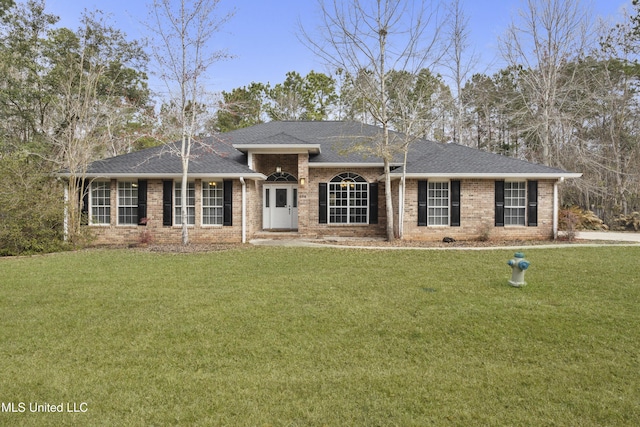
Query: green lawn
column 310, row 337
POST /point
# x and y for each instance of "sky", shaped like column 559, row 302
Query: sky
column 262, row 35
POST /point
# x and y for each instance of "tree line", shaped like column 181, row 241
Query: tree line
column 567, row 97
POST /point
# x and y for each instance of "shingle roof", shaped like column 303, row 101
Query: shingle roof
column 427, row 157
column 333, row 143
column 209, row 157
column 333, row 137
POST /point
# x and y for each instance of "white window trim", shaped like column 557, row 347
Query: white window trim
column 347, row 182
column 448, row 205
column 90, row 213
column 177, row 186
column 220, row 185
column 524, row 206
column 135, row 224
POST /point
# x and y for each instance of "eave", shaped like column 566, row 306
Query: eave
column 327, row 165
column 255, row 175
column 278, row 148
column 470, row 175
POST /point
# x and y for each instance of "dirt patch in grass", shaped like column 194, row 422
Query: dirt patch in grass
column 170, row 248
column 191, row 248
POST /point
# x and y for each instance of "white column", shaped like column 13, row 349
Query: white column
column 555, row 208
column 244, row 210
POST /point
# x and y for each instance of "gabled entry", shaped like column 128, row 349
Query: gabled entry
column 280, row 202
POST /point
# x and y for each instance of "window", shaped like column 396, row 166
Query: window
column 281, row 177
column 191, row 203
column 515, row 202
column 127, row 203
column 438, row 203
column 100, row 203
column 348, row 199
column 212, row 203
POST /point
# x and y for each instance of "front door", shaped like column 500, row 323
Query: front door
column 280, row 210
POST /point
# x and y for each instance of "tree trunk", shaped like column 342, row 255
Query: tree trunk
column 183, row 193
column 388, row 201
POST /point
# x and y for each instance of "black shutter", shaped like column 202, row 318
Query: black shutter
column 227, row 197
column 532, row 203
column 322, row 203
column 167, row 203
column 83, row 189
column 499, row 204
column 373, row 203
column 422, row 203
column 142, row 202
column 455, row 203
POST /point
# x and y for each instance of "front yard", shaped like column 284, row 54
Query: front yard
column 305, row 337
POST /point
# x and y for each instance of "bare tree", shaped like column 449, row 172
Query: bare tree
column 459, row 60
column 417, row 105
column 182, row 48
column 366, row 40
column 547, row 35
column 609, row 139
column 93, row 71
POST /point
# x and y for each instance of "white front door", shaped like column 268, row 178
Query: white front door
column 280, row 211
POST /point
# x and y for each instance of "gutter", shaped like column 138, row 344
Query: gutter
column 133, row 175
column 556, row 207
column 471, row 175
column 401, row 196
column 244, row 210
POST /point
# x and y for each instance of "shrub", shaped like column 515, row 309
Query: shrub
column 485, row 232
column 568, row 221
column 31, row 209
column 628, row 222
column 574, row 218
column 146, row 236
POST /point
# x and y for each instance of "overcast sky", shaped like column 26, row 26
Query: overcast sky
column 262, row 34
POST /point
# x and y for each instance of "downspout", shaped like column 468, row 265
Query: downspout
column 244, row 210
column 65, row 223
column 556, row 207
column 401, row 208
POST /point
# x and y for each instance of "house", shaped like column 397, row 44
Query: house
column 306, row 178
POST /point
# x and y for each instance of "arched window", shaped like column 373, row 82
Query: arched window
column 281, row 177
column 348, row 177
column 348, row 199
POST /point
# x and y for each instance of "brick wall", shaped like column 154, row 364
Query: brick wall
column 267, row 163
column 476, row 199
column 477, row 217
column 308, row 226
column 317, row 176
column 130, row 234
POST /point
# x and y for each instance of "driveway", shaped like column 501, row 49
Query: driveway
column 609, row 235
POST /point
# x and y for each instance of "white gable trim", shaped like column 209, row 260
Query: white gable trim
column 347, row 165
column 255, row 175
column 278, row 148
column 544, row 175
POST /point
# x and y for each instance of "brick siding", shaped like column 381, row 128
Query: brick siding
column 477, row 216
column 114, row 234
column 476, row 212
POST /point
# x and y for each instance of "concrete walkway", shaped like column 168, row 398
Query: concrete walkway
column 589, row 238
column 609, row 235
